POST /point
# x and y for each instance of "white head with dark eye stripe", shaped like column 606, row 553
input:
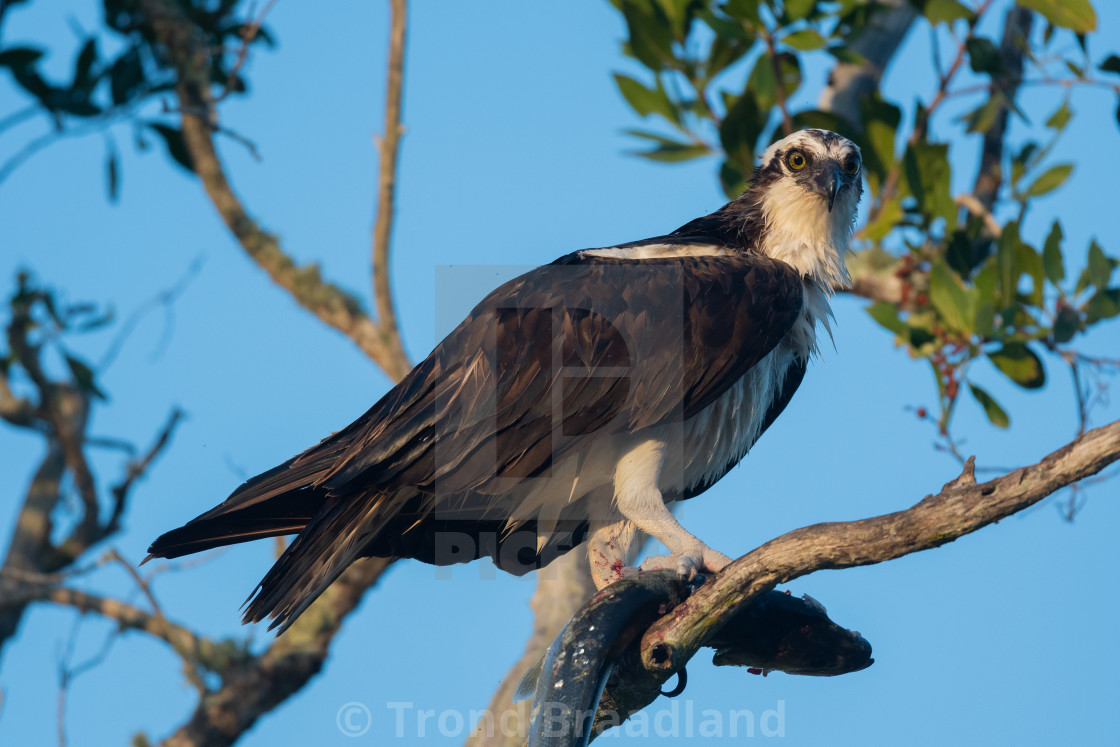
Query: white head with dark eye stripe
column 807, row 187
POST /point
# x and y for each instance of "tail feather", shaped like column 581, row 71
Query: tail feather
column 287, row 514
column 282, row 500
column 323, row 550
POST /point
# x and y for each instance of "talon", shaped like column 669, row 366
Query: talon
column 689, row 562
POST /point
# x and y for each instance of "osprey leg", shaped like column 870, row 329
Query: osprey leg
column 639, row 499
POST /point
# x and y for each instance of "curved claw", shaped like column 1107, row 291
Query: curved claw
column 688, row 562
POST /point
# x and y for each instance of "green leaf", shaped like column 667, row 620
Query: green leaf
column 763, row 83
column 983, row 56
column 126, row 76
column 1050, row 180
column 1100, row 267
column 744, row 10
column 1111, row 64
column 740, row 130
column 880, row 122
column 927, row 174
column 83, row 67
column 673, row 152
column 1023, row 160
column 1007, row 253
column 949, row 297
column 1052, row 255
column 646, row 101
column 1067, row 324
column 984, row 116
column 1076, row 15
column 886, row 314
column 650, row 33
column 799, row 9
column 1020, row 364
column 805, row 40
column 984, row 298
column 176, row 146
column 821, row 120
column 732, row 180
column 83, row 376
column 889, row 216
column 945, row 11
column 995, row 413
column 1060, row 118
column 1029, row 261
column 679, row 13
column 724, row 52
column 1104, row 304
column 968, row 246
column 17, row 57
column 112, row 175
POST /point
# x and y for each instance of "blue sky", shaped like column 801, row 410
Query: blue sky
column 513, row 156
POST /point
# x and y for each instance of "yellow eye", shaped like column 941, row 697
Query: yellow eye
column 851, row 166
column 796, row 160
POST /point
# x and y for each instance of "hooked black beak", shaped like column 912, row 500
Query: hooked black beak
column 827, row 183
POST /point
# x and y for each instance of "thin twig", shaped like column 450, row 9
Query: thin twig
column 164, row 299
column 145, row 587
column 388, row 146
column 248, row 35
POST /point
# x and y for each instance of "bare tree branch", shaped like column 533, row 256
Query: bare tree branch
column 60, row 411
column 388, row 146
column 330, row 303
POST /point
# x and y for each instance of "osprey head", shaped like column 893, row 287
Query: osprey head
column 806, row 190
column 824, row 164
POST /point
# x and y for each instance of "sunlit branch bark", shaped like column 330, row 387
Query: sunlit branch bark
column 961, row 507
column 388, row 146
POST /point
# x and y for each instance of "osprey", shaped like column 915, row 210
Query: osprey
column 574, row 403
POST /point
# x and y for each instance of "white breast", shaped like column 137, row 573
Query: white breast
column 721, row 434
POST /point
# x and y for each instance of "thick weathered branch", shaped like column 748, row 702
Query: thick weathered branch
column 327, row 301
column 31, row 538
column 961, row 507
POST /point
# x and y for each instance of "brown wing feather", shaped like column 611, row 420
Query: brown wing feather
column 619, row 344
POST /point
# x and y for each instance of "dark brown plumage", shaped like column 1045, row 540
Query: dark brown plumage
column 525, row 430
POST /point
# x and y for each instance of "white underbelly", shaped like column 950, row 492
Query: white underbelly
column 697, row 452
column 722, row 433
